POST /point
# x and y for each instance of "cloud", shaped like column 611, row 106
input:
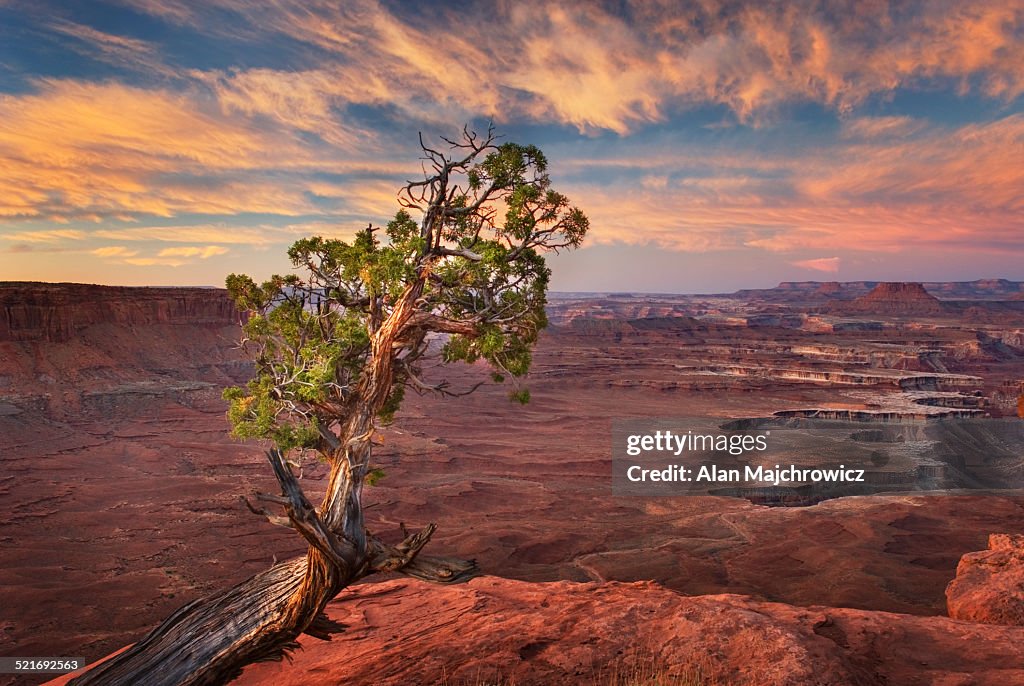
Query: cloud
column 178, row 11
column 121, row 51
column 204, row 252
column 45, row 236
column 114, row 251
column 310, row 146
column 75, row 150
column 882, row 127
column 587, row 66
column 954, row 188
column 973, row 167
column 305, row 101
column 156, row 261
column 195, row 234
column 167, row 257
column 821, row 264
column 327, row 229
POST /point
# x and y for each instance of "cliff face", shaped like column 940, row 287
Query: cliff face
column 829, row 289
column 893, row 299
column 57, row 312
column 77, row 350
column 807, row 291
column 981, row 288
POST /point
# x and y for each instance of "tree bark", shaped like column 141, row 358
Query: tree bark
column 210, row 640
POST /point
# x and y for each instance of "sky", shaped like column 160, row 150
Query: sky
column 714, row 144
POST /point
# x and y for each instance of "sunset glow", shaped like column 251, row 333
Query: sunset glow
column 715, row 145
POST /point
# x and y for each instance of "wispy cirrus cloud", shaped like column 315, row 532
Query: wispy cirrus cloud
column 99, row 151
column 46, row 236
column 202, row 252
column 233, row 141
column 592, row 68
column 874, row 128
column 114, row 251
column 306, row 101
column 218, row 233
column 156, row 261
column 167, row 257
column 118, row 50
column 974, row 165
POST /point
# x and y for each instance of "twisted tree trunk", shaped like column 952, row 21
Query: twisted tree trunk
column 210, row 640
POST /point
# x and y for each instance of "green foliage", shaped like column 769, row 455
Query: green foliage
column 459, row 267
column 392, row 404
column 374, row 476
column 252, row 414
column 521, row 396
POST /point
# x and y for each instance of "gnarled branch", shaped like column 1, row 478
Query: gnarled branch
column 304, row 517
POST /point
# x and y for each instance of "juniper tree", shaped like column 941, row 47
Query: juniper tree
column 457, row 275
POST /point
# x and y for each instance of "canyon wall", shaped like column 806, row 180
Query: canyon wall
column 74, row 350
column 56, row 312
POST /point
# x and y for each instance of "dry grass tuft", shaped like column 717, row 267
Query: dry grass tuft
column 642, row 670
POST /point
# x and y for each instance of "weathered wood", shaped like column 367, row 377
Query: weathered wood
column 208, row 641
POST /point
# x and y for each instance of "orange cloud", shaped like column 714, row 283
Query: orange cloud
column 302, row 101
column 118, row 50
column 194, row 234
column 114, row 251
column 203, row 252
column 75, row 150
column 881, row 127
column 582, row 65
column 156, row 261
column 51, row 236
column 975, row 167
column 167, row 257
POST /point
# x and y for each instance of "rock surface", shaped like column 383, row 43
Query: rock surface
column 498, row 631
column 989, row 585
column 57, row 311
column 75, row 351
column 893, row 299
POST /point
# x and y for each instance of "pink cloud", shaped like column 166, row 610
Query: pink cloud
column 821, row 264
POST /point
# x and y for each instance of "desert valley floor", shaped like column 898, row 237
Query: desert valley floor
column 121, row 488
